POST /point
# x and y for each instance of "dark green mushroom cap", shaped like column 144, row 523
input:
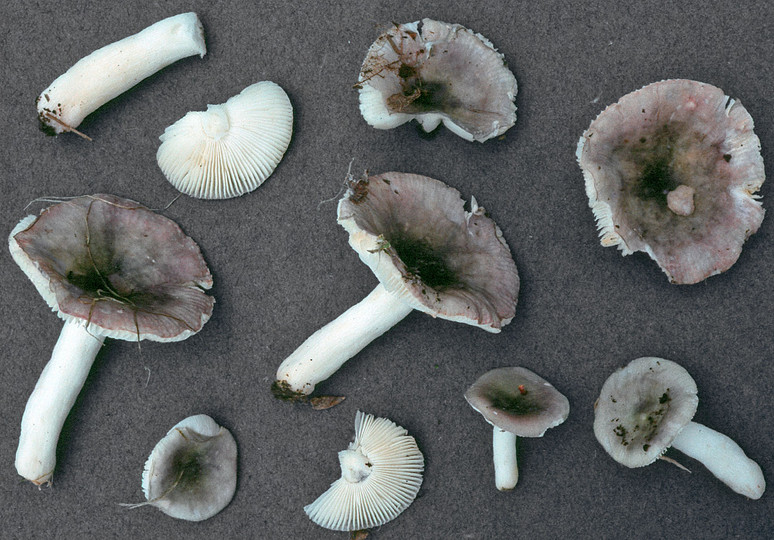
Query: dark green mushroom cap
column 125, row 271
column 642, row 408
column 518, row 401
column 415, row 235
column 672, row 170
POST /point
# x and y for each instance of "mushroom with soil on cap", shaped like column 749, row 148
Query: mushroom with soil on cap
column 673, row 170
column 230, row 149
column 191, row 473
column 518, row 403
column 435, row 72
column 381, row 472
column 115, row 68
column 647, row 406
column 428, row 253
column 110, row 268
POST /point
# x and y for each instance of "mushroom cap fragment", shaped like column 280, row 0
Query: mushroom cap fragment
column 641, row 409
column 437, row 72
column 415, row 235
column 229, row 149
column 672, row 170
column 127, row 272
column 518, row 401
column 381, row 475
column 191, row 473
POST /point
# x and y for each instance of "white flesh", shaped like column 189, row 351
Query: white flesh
column 505, row 464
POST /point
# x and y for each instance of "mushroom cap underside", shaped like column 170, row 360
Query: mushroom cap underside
column 123, row 270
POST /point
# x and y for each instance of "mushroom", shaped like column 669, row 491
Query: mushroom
column 110, row 268
column 437, row 72
column 229, row 149
column 108, row 72
column 647, row 406
column 518, row 403
column 191, row 473
column 672, row 170
column 428, row 253
column 381, row 472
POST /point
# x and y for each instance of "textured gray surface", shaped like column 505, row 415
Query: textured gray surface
column 282, row 268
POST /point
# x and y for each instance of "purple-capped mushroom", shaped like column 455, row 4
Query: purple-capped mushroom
column 108, row 267
column 672, row 170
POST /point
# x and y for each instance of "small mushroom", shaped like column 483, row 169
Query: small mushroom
column 191, row 473
column 518, row 403
column 381, row 472
column 428, row 253
column 229, row 149
column 647, row 406
column 110, row 268
column 672, row 170
column 436, row 72
column 112, row 70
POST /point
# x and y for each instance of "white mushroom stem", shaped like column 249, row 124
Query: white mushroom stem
column 326, row 350
column 51, row 400
column 723, row 457
column 108, row 72
column 680, row 200
column 505, row 464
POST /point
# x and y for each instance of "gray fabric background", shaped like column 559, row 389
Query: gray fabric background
column 282, row 269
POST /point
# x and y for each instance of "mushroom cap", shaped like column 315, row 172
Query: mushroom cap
column 229, row 149
column 123, row 270
column 517, row 400
column 641, row 409
column 664, row 136
column 437, row 72
column 415, row 235
column 191, row 473
column 381, row 475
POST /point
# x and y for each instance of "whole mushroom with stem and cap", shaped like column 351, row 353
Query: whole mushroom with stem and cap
column 115, row 68
column 647, row 406
column 381, row 472
column 191, row 473
column 428, row 253
column 434, row 72
column 518, row 403
column 673, row 170
column 110, row 268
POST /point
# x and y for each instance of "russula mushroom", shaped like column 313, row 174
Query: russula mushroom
column 428, row 253
column 647, row 406
column 110, row 268
column 108, row 72
column 518, row 403
column 229, row 149
column 381, row 472
column 436, row 72
column 191, row 473
column 672, row 170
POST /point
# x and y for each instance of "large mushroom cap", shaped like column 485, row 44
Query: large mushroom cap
column 641, row 409
column 672, row 170
column 381, row 475
column 229, row 149
column 127, row 272
column 518, row 401
column 191, row 473
column 437, row 72
column 415, row 235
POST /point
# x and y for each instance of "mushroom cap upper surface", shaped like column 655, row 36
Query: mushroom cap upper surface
column 641, row 409
column 191, row 473
column 387, row 482
column 669, row 135
column 125, row 271
column 437, row 72
column 517, row 400
column 229, row 149
column 415, row 235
